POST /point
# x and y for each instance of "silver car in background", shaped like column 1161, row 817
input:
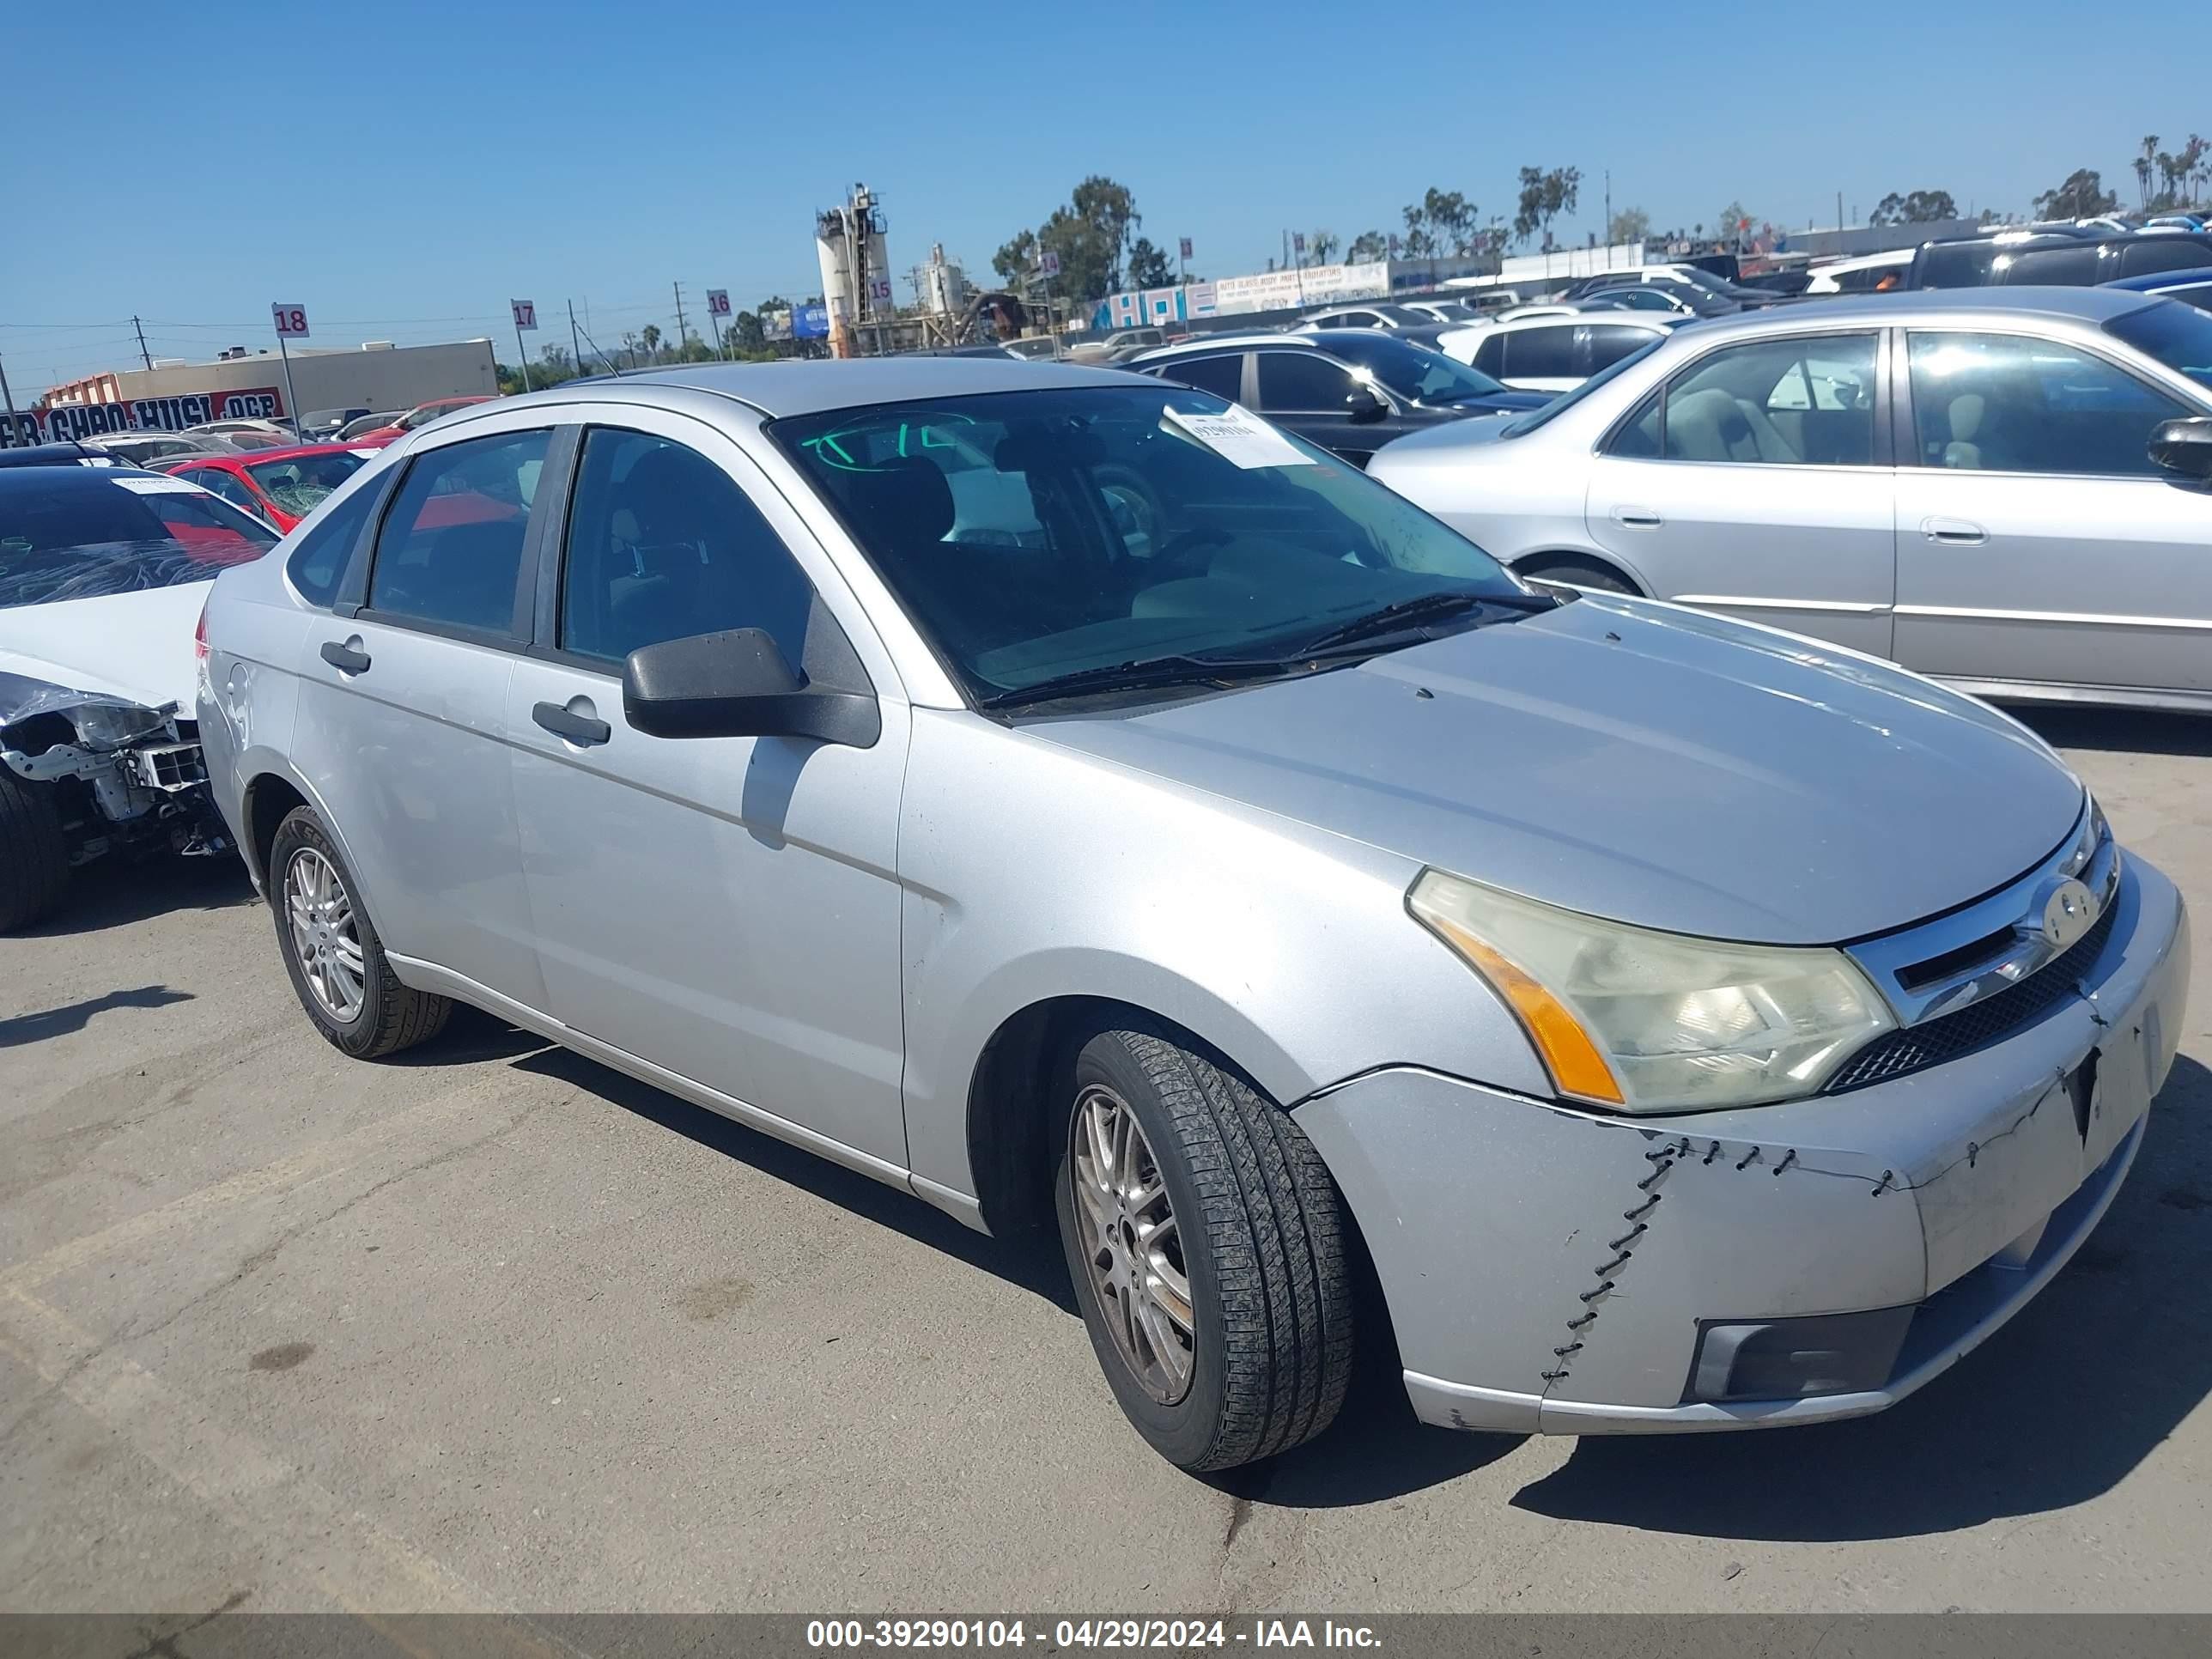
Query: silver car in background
column 1962, row 483
column 1059, row 794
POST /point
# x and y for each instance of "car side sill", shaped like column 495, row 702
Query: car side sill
column 2174, row 700
column 428, row 976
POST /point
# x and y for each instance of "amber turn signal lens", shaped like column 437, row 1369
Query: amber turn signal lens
column 1576, row 1066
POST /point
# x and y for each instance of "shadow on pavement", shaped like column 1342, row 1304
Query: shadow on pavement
column 2130, row 730
column 2057, row 1408
column 22, row 1028
column 115, row 892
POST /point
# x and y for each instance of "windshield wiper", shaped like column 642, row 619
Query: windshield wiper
column 1404, row 613
column 1141, row 675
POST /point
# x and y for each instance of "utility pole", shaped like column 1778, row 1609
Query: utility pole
column 1608, row 213
column 142, row 352
column 574, row 344
column 8, row 398
column 679, row 320
column 1839, row 220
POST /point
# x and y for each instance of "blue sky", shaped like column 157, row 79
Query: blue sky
column 402, row 168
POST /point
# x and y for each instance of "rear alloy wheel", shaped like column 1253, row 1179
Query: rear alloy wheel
column 332, row 950
column 1207, row 1247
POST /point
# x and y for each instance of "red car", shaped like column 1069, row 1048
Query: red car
column 279, row 485
column 422, row 415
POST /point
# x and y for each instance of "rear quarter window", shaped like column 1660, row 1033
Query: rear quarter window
column 317, row 564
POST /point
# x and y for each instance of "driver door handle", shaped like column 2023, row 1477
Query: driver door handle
column 1953, row 532
column 347, row 658
column 1636, row 518
column 579, row 729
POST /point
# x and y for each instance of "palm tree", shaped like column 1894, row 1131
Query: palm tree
column 2144, row 162
column 651, row 337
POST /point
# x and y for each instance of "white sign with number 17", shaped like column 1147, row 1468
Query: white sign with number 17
column 291, row 320
column 525, row 313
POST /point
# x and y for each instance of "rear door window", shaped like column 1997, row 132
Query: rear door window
column 2147, row 253
column 1222, row 375
column 1602, row 345
column 1304, row 380
column 450, row 549
column 1542, row 354
column 317, row 564
column 1993, row 403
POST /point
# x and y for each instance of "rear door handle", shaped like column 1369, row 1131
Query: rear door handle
column 1953, row 532
column 1636, row 518
column 580, row 729
column 347, row 658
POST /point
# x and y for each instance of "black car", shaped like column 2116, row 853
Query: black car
column 2075, row 257
column 1349, row 390
column 63, row 452
column 322, row 425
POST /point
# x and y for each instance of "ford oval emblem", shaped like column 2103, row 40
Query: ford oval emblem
column 2069, row 913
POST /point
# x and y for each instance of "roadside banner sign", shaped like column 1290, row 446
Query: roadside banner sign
column 173, row 413
column 291, row 321
column 525, row 313
column 718, row 303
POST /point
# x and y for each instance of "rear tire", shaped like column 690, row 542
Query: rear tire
column 332, row 950
column 1209, row 1251
column 1575, row 573
column 34, row 866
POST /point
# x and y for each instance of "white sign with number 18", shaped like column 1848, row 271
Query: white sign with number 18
column 291, row 320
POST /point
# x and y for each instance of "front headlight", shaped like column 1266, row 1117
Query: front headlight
column 1650, row 1022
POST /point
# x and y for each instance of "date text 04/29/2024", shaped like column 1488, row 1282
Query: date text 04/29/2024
column 829, row 1634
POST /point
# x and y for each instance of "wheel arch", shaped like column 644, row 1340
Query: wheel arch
column 273, row 790
column 1523, row 562
column 1011, row 1089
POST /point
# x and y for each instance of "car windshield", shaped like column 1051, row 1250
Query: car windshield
column 1033, row 535
column 1415, row 371
column 1451, row 311
column 1521, row 425
column 298, row 482
column 1404, row 316
column 2179, row 336
column 72, row 533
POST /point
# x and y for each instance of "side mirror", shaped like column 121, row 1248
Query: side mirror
column 2184, row 447
column 1363, row 403
column 737, row 684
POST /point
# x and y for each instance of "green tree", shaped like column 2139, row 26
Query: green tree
column 1920, row 208
column 1148, row 265
column 1630, row 224
column 1369, row 245
column 1417, row 241
column 2084, row 196
column 1545, row 195
column 1017, row 258
column 649, row 337
column 1732, row 226
column 2146, row 159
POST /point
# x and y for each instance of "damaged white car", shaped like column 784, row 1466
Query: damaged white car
column 103, row 571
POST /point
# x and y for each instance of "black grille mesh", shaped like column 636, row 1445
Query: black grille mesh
column 1980, row 1024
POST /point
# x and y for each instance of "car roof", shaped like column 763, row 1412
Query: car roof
column 29, row 478
column 2157, row 281
column 256, row 457
column 810, row 387
column 2084, row 305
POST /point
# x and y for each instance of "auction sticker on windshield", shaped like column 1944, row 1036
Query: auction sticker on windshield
column 1241, row 438
column 158, row 486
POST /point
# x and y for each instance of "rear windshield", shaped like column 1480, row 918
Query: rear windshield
column 77, row 533
column 1955, row 264
column 298, row 482
column 2179, row 336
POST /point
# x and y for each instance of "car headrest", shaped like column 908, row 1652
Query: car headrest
column 902, row 502
column 672, row 494
column 1966, row 412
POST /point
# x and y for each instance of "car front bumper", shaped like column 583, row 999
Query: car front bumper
column 1537, row 1287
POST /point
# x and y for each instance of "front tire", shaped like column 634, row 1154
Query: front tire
column 333, row 952
column 34, row 866
column 1207, row 1246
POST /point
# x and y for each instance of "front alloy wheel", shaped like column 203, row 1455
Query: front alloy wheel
column 1132, row 1245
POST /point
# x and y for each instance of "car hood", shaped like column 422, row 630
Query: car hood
column 1637, row 761
column 137, row 645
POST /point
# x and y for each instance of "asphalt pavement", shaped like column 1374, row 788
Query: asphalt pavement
column 492, row 1327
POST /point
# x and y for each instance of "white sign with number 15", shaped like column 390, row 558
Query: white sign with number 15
column 291, row 320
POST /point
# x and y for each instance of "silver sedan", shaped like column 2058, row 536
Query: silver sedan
column 1961, row 482
column 1061, row 796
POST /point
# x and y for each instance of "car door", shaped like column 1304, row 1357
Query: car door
column 1305, row 392
column 2035, row 539
column 1757, row 482
column 726, row 908
column 401, row 714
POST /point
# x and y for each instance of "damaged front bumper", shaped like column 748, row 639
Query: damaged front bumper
column 141, row 771
column 1550, row 1270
